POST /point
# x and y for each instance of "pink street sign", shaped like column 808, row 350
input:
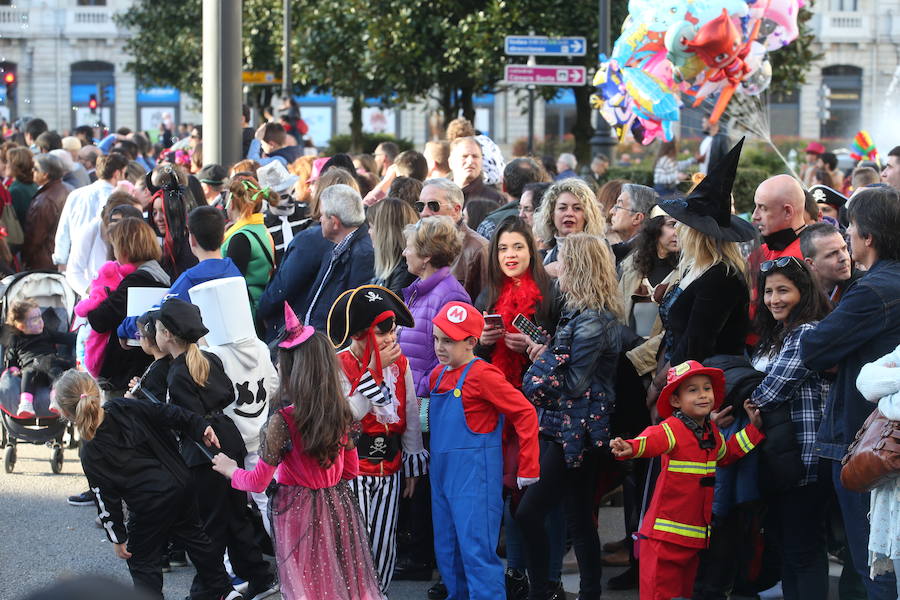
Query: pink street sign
column 545, row 75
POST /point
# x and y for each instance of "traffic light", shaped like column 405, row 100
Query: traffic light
column 106, row 95
column 9, row 78
column 824, row 103
column 92, row 104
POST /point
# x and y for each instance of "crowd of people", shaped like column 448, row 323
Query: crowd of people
column 437, row 354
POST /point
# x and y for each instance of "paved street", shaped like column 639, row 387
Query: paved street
column 44, row 538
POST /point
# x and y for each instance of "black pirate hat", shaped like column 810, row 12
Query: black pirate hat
column 823, row 194
column 362, row 308
column 708, row 207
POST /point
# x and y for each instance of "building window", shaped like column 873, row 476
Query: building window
column 91, row 3
column 845, row 5
column 845, row 92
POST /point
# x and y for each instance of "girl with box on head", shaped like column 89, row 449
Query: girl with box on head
column 197, row 382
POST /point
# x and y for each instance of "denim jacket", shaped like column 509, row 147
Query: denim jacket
column 573, row 382
column 863, row 327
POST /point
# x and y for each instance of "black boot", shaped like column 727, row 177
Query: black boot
column 438, row 591
column 627, row 580
column 516, row 585
column 556, row 591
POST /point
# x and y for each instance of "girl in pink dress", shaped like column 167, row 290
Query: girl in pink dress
column 321, row 545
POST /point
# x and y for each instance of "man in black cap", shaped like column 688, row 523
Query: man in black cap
column 829, row 200
column 212, row 181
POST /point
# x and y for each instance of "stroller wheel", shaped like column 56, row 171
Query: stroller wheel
column 9, row 458
column 56, row 460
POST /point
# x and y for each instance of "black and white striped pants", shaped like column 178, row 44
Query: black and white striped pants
column 379, row 501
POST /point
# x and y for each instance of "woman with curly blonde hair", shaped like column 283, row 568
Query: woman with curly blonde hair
column 572, row 379
column 568, row 207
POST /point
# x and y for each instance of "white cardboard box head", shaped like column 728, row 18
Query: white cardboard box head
column 225, row 309
column 142, row 299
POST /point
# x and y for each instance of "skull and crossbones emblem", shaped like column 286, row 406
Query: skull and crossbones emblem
column 379, row 446
column 372, row 296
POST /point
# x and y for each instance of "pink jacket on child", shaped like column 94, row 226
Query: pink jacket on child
column 108, row 278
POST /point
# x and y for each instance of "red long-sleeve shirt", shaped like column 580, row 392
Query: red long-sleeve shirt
column 485, row 394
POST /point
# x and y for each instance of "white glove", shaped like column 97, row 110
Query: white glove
column 524, row 482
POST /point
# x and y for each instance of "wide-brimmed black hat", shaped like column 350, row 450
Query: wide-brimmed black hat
column 823, row 194
column 708, row 207
column 358, row 309
column 182, row 319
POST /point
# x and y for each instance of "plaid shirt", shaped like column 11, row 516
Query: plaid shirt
column 788, row 380
column 335, row 253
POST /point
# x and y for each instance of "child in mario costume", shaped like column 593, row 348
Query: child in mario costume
column 469, row 399
column 379, row 385
column 676, row 525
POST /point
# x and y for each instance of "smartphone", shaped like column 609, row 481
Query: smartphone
column 523, row 324
column 494, row 321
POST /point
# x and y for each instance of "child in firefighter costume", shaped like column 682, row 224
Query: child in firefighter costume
column 676, row 526
column 382, row 397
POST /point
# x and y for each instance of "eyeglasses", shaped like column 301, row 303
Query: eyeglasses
column 780, row 263
column 526, row 209
column 620, row 207
column 433, row 205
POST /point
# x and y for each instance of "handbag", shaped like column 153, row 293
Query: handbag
column 10, row 222
column 874, row 456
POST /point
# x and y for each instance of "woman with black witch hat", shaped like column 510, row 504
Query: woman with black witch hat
column 706, row 313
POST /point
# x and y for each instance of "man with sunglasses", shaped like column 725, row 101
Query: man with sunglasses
column 443, row 197
column 864, row 327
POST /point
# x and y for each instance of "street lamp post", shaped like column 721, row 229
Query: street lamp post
column 603, row 141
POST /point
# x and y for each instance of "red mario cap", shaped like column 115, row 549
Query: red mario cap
column 459, row 320
column 678, row 374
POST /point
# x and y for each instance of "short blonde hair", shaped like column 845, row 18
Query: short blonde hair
column 589, row 274
column 594, row 222
column 333, row 176
column 436, row 238
column 459, row 128
column 134, row 239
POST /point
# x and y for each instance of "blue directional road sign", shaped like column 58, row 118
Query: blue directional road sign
column 541, row 45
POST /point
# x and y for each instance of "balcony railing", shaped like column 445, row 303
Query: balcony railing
column 80, row 22
column 843, row 27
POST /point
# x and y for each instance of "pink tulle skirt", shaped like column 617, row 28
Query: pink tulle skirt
column 321, row 546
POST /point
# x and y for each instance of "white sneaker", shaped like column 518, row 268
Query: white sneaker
column 26, row 409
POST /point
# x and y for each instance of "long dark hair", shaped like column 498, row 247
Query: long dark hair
column 813, row 306
column 495, row 276
column 645, row 246
column 311, row 382
column 175, row 201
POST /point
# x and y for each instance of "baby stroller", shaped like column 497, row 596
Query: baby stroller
column 57, row 302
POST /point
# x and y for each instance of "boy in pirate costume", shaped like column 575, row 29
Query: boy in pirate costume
column 676, row 525
column 382, row 398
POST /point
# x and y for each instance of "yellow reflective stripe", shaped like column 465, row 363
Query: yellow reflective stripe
column 642, row 445
column 691, row 531
column 688, row 466
column 669, row 435
column 722, row 448
column 744, row 441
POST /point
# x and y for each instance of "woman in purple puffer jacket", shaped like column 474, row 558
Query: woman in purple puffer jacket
column 432, row 245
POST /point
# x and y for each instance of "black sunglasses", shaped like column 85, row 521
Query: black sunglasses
column 433, row 205
column 779, row 263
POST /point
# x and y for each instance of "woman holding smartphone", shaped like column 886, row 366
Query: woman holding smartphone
column 518, row 285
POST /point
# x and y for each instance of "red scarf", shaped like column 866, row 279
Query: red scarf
column 520, row 295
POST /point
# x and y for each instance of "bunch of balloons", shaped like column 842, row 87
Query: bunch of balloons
column 675, row 51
